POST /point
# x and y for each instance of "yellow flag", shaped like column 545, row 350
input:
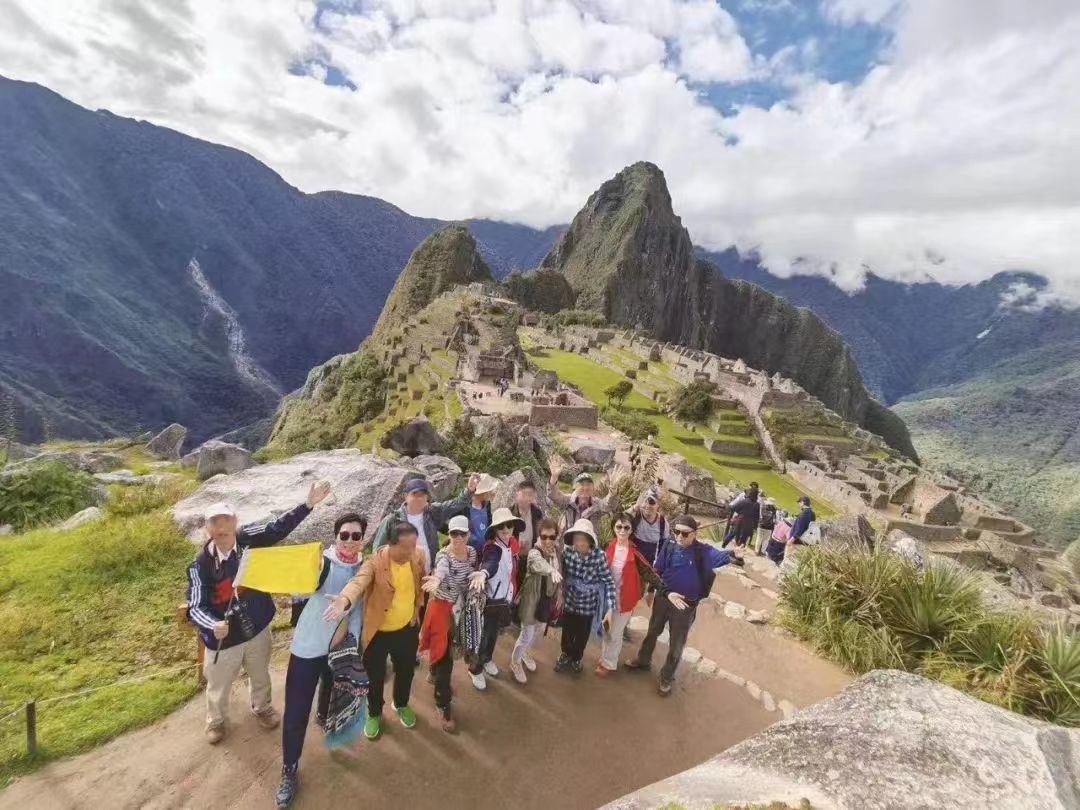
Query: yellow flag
column 280, row 569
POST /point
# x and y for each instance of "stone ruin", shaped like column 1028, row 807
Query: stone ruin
column 563, row 408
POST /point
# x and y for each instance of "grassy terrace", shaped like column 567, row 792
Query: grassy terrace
column 592, row 378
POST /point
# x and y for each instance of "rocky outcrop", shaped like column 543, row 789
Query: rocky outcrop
column 79, row 518
column 890, row 740
column 250, row 437
column 167, row 444
column 362, row 483
column 848, row 531
column 542, row 290
column 446, row 258
column 592, row 452
column 417, row 437
column 628, row 256
column 441, row 473
column 91, row 461
column 215, row 458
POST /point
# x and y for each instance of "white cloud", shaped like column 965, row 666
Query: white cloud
column 959, row 156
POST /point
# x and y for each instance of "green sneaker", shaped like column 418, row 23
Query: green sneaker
column 373, row 727
column 406, row 715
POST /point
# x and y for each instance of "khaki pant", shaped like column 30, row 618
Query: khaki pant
column 254, row 656
column 612, row 643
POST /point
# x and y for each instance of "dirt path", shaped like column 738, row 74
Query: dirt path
column 574, row 743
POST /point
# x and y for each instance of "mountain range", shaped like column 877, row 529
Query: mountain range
column 150, row 277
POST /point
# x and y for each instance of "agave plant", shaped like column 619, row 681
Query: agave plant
column 1058, row 661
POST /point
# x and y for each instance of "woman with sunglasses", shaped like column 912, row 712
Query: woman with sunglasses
column 538, row 596
column 308, row 664
column 454, row 566
column 631, row 572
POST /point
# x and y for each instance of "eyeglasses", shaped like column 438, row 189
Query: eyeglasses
column 683, row 532
column 548, row 536
column 622, row 527
column 356, row 537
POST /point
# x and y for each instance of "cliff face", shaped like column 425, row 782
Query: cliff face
column 628, row 256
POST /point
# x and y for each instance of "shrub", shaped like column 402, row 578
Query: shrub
column 619, row 391
column 872, row 610
column 42, row 493
column 693, row 402
column 631, row 423
column 127, row 501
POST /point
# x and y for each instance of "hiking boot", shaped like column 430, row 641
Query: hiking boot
column 491, row 669
column 290, row 783
column 664, row 688
column 519, row 672
column 446, row 720
column 601, row 671
column 215, row 734
column 562, row 664
column 576, row 667
column 268, row 718
column 528, row 661
column 406, row 715
column 478, row 680
column 636, row 666
column 373, row 727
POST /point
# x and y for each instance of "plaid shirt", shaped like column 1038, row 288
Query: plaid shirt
column 582, row 574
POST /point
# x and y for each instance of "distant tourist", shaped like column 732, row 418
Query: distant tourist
column 589, row 594
column 389, row 584
column 426, row 517
column 686, row 569
column 235, row 626
column 766, row 524
column 747, row 509
column 497, row 563
column 311, row 642
column 479, row 511
column 582, row 502
column 630, row 573
column 778, row 548
column 539, row 596
column 454, row 565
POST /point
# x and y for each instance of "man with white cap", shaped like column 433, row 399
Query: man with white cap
column 235, row 626
column 582, row 502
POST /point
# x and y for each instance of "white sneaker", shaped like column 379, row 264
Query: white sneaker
column 479, row 681
column 491, row 669
column 519, row 673
column 528, row 661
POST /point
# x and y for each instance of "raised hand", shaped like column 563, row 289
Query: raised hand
column 317, row 494
column 474, row 480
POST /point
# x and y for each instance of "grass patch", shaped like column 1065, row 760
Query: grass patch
column 873, row 610
column 85, row 608
column 43, row 493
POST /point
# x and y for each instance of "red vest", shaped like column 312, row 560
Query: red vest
column 630, row 587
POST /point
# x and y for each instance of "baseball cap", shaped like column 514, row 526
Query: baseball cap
column 220, row 509
column 416, row 485
column 686, row 523
column 583, row 477
column 459, row 523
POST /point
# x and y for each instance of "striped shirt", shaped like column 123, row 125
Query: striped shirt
column 453, row 573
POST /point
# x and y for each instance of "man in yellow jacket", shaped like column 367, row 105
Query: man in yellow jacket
column 389, row 585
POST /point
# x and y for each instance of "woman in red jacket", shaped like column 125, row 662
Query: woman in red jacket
column 631, row 573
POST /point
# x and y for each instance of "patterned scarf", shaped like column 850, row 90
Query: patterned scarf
column 471, row 622
column 347, row 713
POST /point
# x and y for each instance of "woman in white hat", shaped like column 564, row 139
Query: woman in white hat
column 479, row 511
column 454, row 566
column 589, row 596
column 498, row 564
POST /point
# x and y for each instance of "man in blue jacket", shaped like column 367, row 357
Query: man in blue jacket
column 242, row 638
column 686, row 569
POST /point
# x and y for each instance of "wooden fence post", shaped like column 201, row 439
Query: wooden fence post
column 183, row 622
column 31, row 728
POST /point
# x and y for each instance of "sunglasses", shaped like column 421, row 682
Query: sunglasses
column 622, row 527
column 683, row 532
column 356, row 537
column 457, row 533
column 548, row 536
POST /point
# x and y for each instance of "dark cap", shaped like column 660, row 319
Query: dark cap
column 805, row 499
column 685, row 522
column 582, row 477
column 416, row 485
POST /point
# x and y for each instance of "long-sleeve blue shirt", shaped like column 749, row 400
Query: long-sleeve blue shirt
column 802, row 522
column 678, row 567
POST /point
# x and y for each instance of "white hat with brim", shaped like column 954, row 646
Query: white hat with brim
column 458, row 523
column 486, row 484
column 581, row 526
column 220, row 509
column 502, row 517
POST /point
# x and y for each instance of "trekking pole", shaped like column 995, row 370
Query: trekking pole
column 221, row 641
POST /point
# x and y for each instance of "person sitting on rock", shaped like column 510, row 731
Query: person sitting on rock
column 389, row 584
column 235, row 625
column 582, row 502
column 426, row 517
column 479, row 511
column 311, row 642
column 588, row 594
column 686, row 569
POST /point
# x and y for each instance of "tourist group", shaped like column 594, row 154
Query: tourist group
column 397, row 595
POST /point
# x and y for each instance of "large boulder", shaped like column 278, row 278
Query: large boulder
column 250, row 437
column 215, row 457
column 133, row 479
column 890, row 740
column 904, row 545
column 504, row 495
column 167, row 444
column 594, row 452
column 441, row 473
column 417, row 437
column 91, row 461
column 847, row 531
column 79, row 518
column 362, row 483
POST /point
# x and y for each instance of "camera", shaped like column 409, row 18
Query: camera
column 240, row 622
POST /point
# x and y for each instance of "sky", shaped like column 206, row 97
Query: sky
column 914, row 138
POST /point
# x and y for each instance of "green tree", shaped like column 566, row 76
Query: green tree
column 617, row 393
column 693, row 402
